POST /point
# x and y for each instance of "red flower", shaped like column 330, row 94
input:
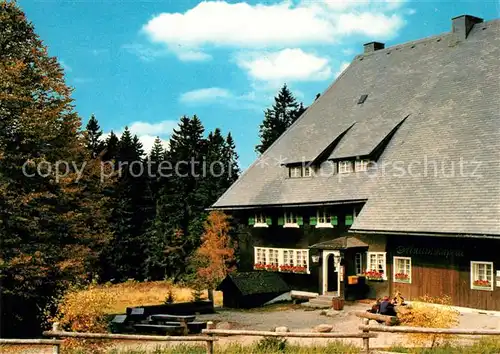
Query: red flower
column 401, row 276
column 485, row 283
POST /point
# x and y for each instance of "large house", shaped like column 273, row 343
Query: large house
column 390, row 179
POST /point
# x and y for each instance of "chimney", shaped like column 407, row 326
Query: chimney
column 462, row 25
column 373, row 46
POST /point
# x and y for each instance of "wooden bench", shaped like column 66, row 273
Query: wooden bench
column 388, row 320
column 182, row 320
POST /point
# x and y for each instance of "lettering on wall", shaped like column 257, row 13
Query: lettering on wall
column 425, row 251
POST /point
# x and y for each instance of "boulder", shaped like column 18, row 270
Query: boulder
column 282, row 329
column 323, row 328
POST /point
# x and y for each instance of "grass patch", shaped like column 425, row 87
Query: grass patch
column 262, row 347
column 484, row 345
column 134, row 293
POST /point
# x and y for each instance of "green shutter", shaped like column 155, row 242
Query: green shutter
column 300, row 220
column 269, row 221
column 281, row 221
column 348, row 220
column 251, row 221
column 335, row 220
column 313, row 221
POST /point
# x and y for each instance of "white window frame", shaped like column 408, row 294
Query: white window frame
column 473, row 275
column 395, row 270
column 267, row 256
column 307, row 171
column 260, row 220
column 290, row 216
column 295, row 172
column 361, row 165
column 370, row 267
column 358, row 263
column 345, row 166
column 323, row 215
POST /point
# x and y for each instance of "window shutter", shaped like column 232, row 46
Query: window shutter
column 348, row 220
column 269, row 221
column 300, row 220
column 251, row 221
column 313, row 221
column 335, row 220
column 281, row 221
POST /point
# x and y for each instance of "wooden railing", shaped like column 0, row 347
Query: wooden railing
column 209, row 335
column 53, row 342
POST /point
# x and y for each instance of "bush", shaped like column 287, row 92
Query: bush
column 427, row 314
column 271, row 344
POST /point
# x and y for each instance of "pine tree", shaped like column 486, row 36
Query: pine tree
column 93, row 137
column 111, row 147
column 52, row 227
column 233, row 170
column 277, row 119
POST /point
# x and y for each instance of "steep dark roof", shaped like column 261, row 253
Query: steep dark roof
column 449, row 91
column 258, row 282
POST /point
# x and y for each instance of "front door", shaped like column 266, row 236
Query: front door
column 331, row 280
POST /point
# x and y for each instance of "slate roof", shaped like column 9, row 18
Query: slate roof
column 449, row 90
column 259, row 282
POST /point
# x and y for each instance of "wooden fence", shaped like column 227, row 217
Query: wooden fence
column 210, row 334
column 53, row 342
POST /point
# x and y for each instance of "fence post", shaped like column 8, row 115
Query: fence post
column 55, row 349
column 366, row 341
column 210, row 343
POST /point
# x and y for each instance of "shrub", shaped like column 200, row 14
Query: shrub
column 271, row 344
column 427, row 314
column 170, row 297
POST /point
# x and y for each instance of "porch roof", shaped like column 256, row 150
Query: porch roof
column 340, row 243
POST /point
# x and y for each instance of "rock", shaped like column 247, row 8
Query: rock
column 282, row 329
column 323, row 328
column 224, row 325
column 332, row 313
column 323, row 313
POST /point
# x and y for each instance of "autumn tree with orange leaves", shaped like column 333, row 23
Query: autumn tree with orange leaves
column 216, row 256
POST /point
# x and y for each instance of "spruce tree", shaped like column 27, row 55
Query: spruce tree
column 93, row 137
column 111, row 147
column 233, row 170
column 52, row 227
column 277, row 119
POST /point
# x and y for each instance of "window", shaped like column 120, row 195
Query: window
column 376, row 262
column 295, row 172
column 481, row 275
column 358, row 263
column 291, row 220
column 402, row 270
column 261, row 220
column 345, row 166
column 282, row 259
column 306, row 172
column 362, row 165
column 324, row 218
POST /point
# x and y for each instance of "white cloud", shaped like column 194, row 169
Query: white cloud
column 147, row 132
column 145, row 52
column 348, row 51
column 205, row 95
column 219, row 23
column 343, row 66
column 285, row 65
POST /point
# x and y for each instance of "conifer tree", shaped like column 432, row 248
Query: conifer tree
column 277, row 119
column 111, row 147
column 93, row 137
column 52, row 227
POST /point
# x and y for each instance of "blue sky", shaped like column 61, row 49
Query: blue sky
column 143, row 64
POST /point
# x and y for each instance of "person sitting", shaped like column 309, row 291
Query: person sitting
column 387, row 307
column 375, row 307
column 398, row 299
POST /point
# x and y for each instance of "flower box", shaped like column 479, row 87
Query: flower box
column 271, row 268
column 482, row 284
column 402, row 277
column 293, row 269
column 374, row 275
column 259, row 266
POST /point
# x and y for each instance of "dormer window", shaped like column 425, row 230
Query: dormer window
column 345, row 166
column 361, row 165
column 295, row 172
column 300, row 171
